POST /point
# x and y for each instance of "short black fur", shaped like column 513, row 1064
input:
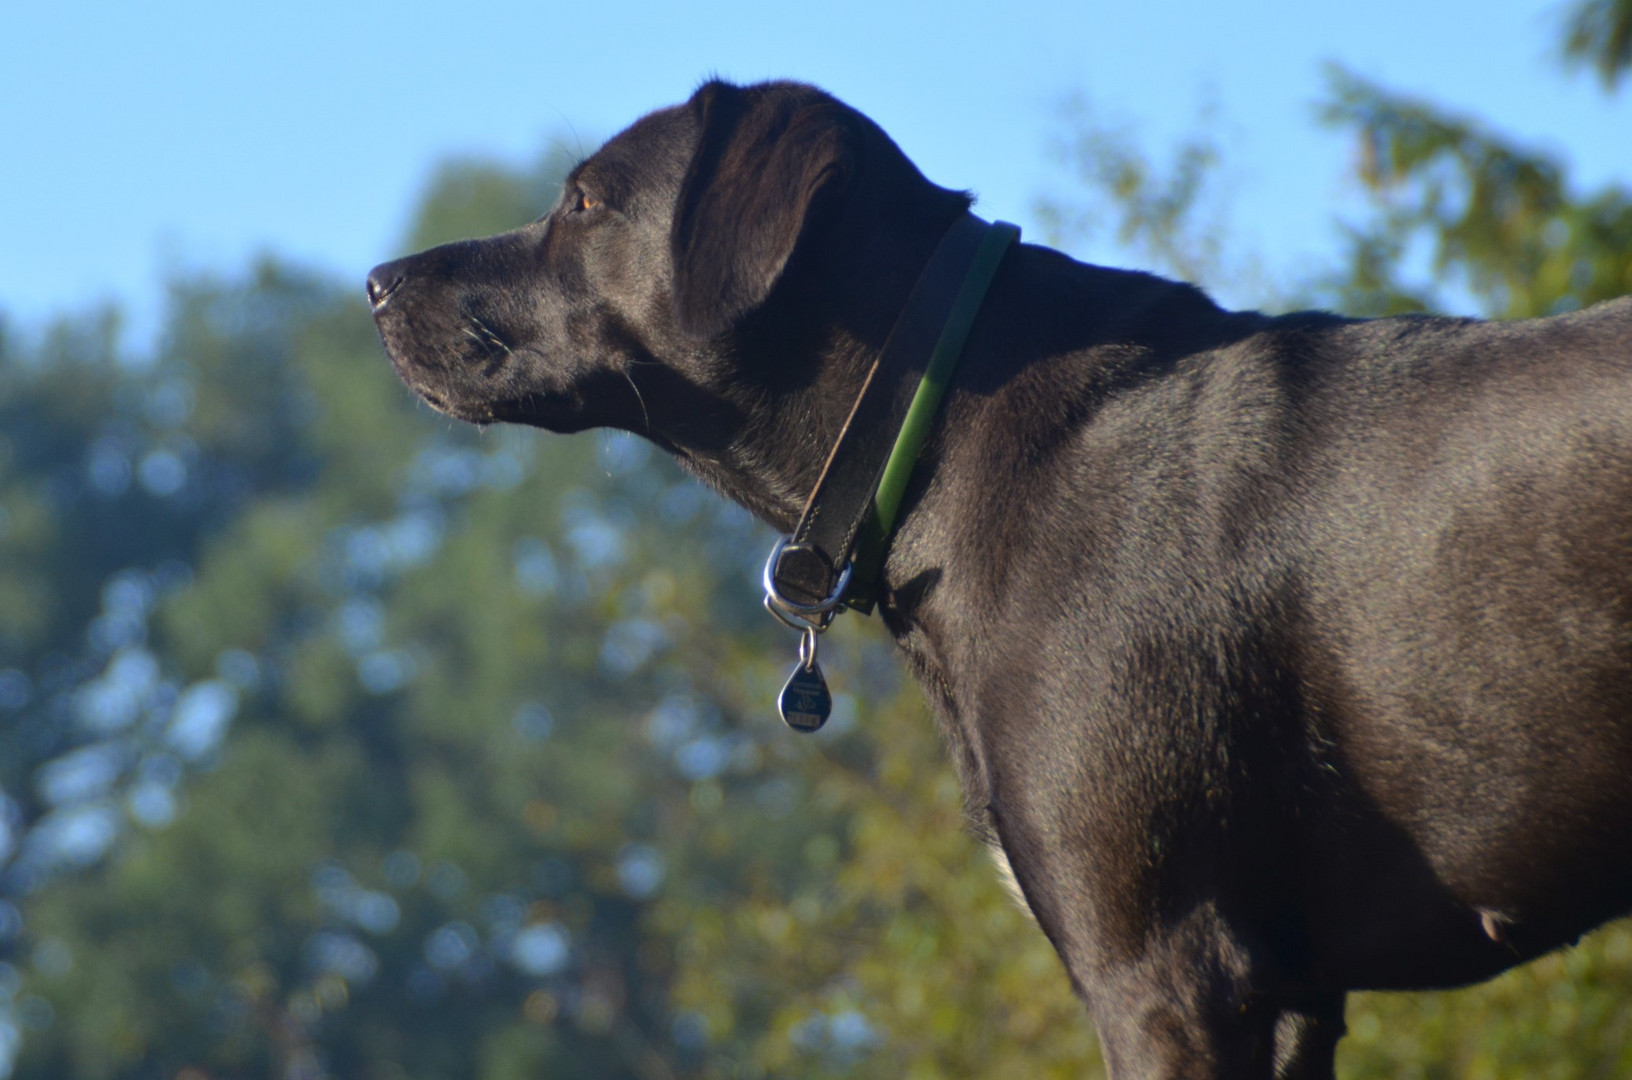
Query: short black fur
column 1280, row 656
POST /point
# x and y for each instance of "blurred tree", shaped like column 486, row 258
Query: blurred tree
column 1599, row 33
column 239, row 533
column 1500, row 220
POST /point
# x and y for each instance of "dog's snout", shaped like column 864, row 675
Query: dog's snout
column 384, row 280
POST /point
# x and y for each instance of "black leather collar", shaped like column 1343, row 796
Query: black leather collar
column 834, row 556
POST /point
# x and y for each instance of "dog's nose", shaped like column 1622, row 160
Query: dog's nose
column 384, row 280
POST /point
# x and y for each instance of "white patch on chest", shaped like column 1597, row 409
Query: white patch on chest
column 1005, row 874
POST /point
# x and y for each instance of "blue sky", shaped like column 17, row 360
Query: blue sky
column 139, row 140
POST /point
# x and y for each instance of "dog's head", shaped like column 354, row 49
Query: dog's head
column 714, row 264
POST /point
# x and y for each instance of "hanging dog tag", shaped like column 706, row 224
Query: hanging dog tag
column 804, row 702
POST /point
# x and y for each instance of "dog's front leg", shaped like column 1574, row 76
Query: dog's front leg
column 1172, row 986
column 1183, row 1007
column 1154, row 1031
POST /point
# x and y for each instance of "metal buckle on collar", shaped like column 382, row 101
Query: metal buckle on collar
column 805, row 702
column 794, row 615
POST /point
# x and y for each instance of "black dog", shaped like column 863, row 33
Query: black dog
column 1281, row 656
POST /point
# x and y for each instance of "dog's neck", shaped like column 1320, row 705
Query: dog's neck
column 805, row 371
column 799, row 363
column 1056, row 339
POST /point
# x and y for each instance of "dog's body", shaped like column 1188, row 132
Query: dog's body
column 1281, row 656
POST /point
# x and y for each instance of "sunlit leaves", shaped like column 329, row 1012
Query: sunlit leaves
column 1499, row 218
column 1599, row 33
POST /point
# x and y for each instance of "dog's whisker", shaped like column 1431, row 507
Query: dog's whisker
column 491, row 336
column 638, row 397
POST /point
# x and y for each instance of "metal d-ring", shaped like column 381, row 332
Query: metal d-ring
column 806, row 617
column 794, row 622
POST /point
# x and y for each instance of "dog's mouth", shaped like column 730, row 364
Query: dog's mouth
column 531, row 408
column 471, row 413
column 471, row 363
column 452, row 369
column 560, row 412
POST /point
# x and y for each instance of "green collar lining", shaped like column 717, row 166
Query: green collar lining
column 873, row 540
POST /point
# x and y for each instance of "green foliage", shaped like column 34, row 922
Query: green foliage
column 1599, row 33
column 893, row 952
column 1567, row 1016
column 1499, row 219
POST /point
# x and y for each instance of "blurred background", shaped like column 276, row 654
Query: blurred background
column 341, row 740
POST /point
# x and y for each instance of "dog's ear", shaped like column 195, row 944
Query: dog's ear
column 767, row 157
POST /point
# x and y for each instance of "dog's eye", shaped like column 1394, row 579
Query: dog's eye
column 581, row 201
